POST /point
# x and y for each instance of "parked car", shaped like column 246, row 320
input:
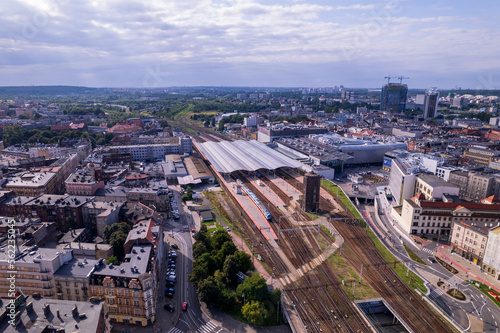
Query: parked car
column 169, row 295
column 184, row 306
column 192, row 230
column 174, row 246
column 169, row 283
column 170, row 290
column 228, row 229
column 169, row 307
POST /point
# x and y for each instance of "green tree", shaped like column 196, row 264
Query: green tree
column 110, row 229
column 254, row 287
column 227, row 249
column 230, row 271
column 208, row 290
column 219, row 238
column 198, row 249
column 243, row 262
column 254, row 312
column 112, row 260
column 117, row 240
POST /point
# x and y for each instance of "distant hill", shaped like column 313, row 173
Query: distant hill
column 40, row 91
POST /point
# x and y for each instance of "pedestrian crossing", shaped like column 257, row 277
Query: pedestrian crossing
column 209, row 327
column 436, row 293
column 426, row 250
column 454, row 280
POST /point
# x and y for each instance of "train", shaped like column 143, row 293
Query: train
column 256, row 201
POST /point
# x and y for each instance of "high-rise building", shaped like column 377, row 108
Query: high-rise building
column 393, row 97
column 431, row 101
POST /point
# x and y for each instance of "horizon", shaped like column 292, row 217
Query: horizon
column 250, row 43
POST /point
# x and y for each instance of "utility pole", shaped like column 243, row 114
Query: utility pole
column 353, row 288
column 361, row 274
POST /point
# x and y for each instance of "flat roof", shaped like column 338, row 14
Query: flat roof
column 227, row 157
column 59, row 316
column 77, row 268
column 137, row 263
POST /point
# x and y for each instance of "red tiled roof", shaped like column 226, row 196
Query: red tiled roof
column 491, row 200
column 137, row 176
column 455, row 205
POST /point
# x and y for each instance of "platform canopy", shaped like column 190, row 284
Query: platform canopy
column 227, row 157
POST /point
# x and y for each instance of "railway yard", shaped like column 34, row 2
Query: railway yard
column 291, row 246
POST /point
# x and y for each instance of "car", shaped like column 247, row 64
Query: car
column 172, row 254
column 172, row 261
column 169, row 295
column 431, row 259
column 184, row 306
column 170, row 283
column 170, row 290
column 228, row 229
column 174, row 246
column 170, row 271
column 169, row 307
column 192, row 230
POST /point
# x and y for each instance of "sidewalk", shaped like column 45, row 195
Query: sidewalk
column 466, row 269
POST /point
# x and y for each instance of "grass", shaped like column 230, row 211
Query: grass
column 484, row 289
column 336, row 191
column 455, row 293
column 325, row 242
column 348, row 275
column 412, row 280
column 414, row 256
column 447, row 266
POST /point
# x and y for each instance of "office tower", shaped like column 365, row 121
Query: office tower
column 312, row 185
column 393, row 97
column 431, row 103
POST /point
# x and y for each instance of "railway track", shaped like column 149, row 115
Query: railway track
column 380, row 276
column 276, row 189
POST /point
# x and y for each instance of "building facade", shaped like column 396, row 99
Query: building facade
column 491, row 261
column 469, row 241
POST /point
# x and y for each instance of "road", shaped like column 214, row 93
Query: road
column 476, row 304
column 192, row 320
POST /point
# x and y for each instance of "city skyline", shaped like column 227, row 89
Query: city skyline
column 250, row 43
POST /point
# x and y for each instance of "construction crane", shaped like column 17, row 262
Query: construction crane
column 388, row 77
column 401, row 78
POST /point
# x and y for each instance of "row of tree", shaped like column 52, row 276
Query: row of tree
column 215, row 277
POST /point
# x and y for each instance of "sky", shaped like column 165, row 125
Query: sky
column 293, row 43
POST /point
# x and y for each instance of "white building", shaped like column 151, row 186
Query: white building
column 491, row 260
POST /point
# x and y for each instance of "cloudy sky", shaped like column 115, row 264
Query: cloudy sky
column 314, row 43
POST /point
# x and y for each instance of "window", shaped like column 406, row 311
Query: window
column 135, row 294
column 68, row 291
column 136, row 303
column 76, row 291
column 137, row 312
column 67, row 283
column 76, row 284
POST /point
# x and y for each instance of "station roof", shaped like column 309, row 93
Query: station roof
column 227, row 157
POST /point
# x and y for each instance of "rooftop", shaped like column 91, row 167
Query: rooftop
column 227, row 157
column 77, row 268
column 136, row 263
column 59, row 315
column 81, row 176
column 31, row 179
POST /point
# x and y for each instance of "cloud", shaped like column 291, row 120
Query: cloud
column 202, row 41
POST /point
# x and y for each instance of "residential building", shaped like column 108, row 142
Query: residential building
column 51, row 315
column 404, row 169
column 461, row 180
column 482, row 155
column 99, row 214
column 491, row 261
column 35, row 269
column 129, row 289
column 33, row 183
column 469, row 240
column 83, row 182
column 157, row 151
column 72, row 279
column 480, row 186
column 46, row 151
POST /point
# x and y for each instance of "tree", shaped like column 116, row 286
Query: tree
column 254, row 312
column 117, row 240
column 243, row 262
column 208, row 290
column 110, row 229
column 254, row 287
column 112, row 260
column 230, row 271
column 198, row 249
column 227, row 249
column 219, row 238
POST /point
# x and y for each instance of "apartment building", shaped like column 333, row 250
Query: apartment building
column 461, row 180
column 72, row 279
column 35, row 270
column 480, row 154
column 33, row 183
column 99, row 214
column 480, row 186
column 469, row 240
column 83, row 182
column 128, row 289
column 491, row 261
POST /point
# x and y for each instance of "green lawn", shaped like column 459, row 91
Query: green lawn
column 414, row 256
column 415, row 280
column 336, row 191
column 484, row 288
